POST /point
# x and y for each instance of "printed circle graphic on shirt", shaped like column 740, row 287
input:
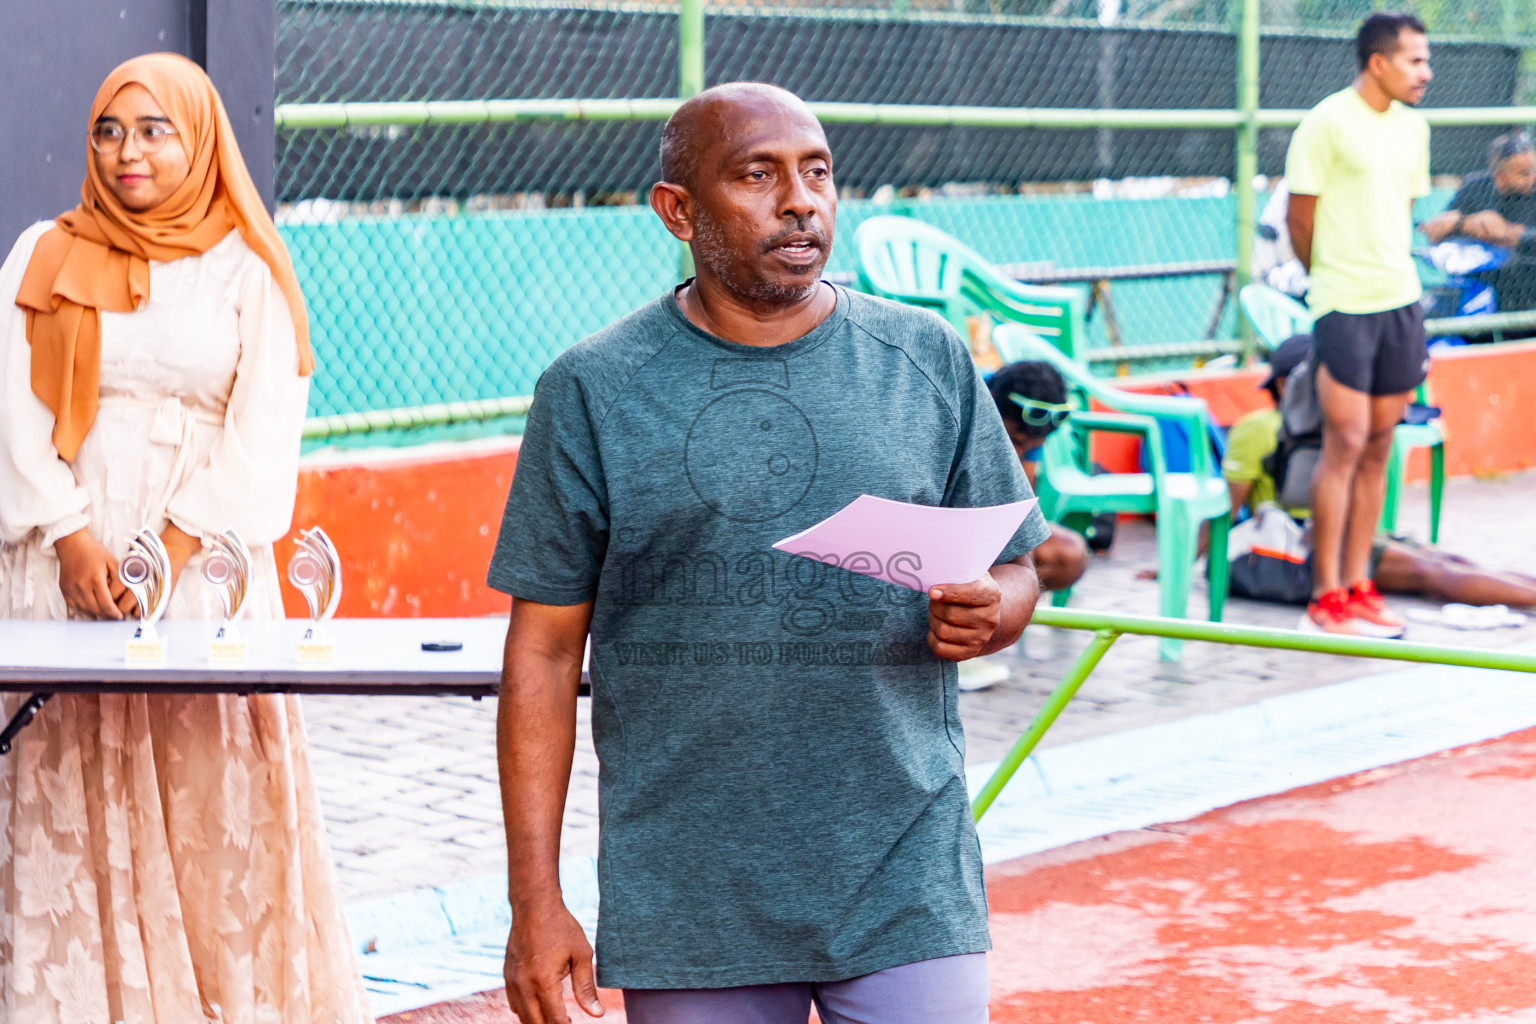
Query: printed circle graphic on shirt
column 751, row 455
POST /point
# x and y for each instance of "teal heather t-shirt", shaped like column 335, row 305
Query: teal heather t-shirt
column 782, row 787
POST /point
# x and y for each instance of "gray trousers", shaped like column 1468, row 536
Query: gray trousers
column 951, row 990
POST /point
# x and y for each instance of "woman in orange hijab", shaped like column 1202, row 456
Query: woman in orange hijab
column 162, row 858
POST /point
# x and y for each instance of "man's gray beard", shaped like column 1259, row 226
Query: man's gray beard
column 711, row 251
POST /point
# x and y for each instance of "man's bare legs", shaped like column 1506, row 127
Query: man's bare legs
column 1346, row 428
column 1370, row 486
column 1445, row 577
column 1350, row 482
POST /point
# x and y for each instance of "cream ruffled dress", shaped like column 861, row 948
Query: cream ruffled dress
column 163, row 859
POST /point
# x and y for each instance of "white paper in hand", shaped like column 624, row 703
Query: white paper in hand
column 914, row 546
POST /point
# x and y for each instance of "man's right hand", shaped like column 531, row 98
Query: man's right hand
column 88, row 577
column 545, row 947
column 1442, row 225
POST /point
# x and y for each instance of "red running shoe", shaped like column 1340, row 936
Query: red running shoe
column 1375, row 618
column 1332, row 613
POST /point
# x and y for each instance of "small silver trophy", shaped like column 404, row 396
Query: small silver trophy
column 315, row 570
column 227, row 567
column 146, row 571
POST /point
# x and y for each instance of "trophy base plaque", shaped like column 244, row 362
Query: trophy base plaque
column 315, row 648
column 145, row 647
column 227, row 647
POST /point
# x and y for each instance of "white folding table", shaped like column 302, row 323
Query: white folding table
column 373, row 656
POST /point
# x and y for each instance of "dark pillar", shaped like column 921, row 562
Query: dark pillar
column 56, row 52
column 241, row 57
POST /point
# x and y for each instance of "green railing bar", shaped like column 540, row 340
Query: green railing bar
column 1437, row 116
column 1164, row 350
column 1286, row 639
column 1107, row 628
column 1478, row 115
column 1020, row 117
column 1278, row 118
column 309, row 116
column 323, row 427
column 1482, row 323
column 1054, row 705
column 406, row 114
column 905, row 14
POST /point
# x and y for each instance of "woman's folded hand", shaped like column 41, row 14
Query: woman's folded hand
column 88, row 577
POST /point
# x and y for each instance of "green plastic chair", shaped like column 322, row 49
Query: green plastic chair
column 1071, row 494
column 1276, row 316
column 917, row 264
column 1405, row 438
column 1273, row 315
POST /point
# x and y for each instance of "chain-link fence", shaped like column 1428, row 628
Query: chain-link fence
column 450, row 250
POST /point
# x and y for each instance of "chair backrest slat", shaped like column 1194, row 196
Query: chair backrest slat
column 909, row 261
column 1273, row 315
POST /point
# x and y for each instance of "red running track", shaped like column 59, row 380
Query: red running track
column 1403, row 895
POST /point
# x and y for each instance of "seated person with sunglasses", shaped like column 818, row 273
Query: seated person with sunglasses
column 1032, row 399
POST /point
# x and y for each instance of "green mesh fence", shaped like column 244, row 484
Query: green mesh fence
column 452, row 261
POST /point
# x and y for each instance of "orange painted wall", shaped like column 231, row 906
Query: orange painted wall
column 415, row 533
column 1487, row 395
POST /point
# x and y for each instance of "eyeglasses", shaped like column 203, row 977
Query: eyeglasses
column 108, row 137
column 1039, row 414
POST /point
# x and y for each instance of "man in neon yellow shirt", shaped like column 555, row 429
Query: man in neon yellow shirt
column 1356, row 163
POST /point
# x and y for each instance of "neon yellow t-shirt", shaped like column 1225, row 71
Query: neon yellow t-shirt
column 1366, row 168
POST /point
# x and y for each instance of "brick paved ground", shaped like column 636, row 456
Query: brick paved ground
column 409, row 785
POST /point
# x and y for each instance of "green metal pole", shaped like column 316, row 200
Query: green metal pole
column 690, row 81
column 690, row 47
column 1247, row 155
column 1044, row 718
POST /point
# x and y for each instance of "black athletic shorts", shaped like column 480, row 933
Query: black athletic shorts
column 1378, row 353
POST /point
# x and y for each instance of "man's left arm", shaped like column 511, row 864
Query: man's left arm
column 1490, row 227
column 966, row 620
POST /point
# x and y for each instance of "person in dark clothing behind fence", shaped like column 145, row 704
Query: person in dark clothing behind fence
column 1498, row 207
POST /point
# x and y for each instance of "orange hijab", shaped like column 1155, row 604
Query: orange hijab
column 97, row 255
